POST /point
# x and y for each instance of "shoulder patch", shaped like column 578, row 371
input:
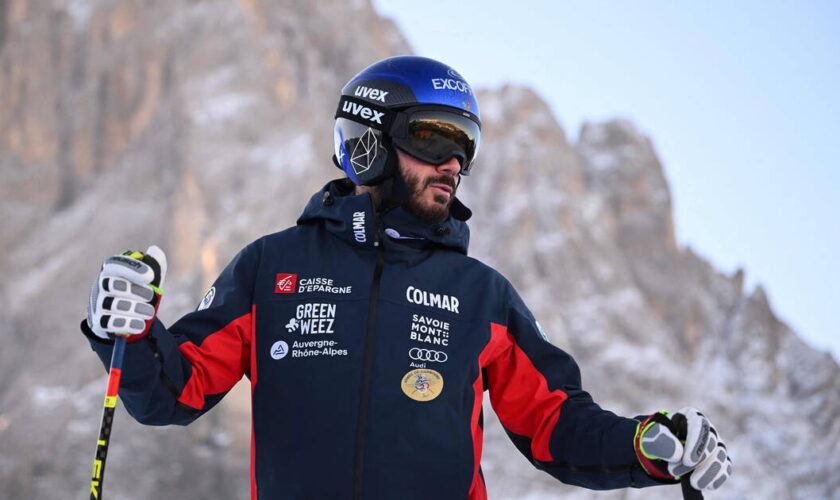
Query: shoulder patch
column 208, row 299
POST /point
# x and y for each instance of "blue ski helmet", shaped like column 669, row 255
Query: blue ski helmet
column 415, row 104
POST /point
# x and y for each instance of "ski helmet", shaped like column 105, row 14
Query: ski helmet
column 415, row 104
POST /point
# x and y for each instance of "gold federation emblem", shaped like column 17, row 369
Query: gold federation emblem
column 422, row 384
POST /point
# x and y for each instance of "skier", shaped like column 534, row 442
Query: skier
column 369, row 336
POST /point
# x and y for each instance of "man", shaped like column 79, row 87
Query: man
column 369, row 336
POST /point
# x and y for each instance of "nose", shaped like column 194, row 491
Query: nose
column 450, row 167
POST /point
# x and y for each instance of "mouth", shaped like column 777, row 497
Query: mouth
column 442, row 184
column 443, row 188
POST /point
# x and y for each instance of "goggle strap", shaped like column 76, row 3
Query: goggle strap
column 365, row 113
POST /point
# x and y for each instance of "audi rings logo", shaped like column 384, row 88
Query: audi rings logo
column 418, row 354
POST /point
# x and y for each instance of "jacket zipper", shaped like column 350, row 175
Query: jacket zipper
column 373, row 311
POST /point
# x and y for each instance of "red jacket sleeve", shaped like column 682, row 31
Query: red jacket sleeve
column 535, row 389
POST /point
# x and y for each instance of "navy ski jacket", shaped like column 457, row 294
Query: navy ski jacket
column 369, row 340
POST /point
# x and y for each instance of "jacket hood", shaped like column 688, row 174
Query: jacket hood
column 353, row 218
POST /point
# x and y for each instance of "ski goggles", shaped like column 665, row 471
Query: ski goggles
column 430, row 133
column 436, row 134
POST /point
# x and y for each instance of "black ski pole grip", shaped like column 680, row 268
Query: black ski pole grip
column 688, row 491
column 679, row 426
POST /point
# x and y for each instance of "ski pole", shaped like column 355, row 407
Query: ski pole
column 679, row 426
column 157, row 262
column 688, row 491
column 114, row 374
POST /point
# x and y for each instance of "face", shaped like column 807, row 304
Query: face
column 431, row 187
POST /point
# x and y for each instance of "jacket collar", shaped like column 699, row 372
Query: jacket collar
column 352, row 218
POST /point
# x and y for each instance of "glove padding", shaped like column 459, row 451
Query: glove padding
column 669, row 447
column 126, row 294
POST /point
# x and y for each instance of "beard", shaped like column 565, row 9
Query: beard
column 430, row 212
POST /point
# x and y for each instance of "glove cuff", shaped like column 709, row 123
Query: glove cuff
column 654, row 467
column 92, row 336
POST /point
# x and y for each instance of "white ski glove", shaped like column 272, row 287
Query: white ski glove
column 671, row 446
column 126, row 294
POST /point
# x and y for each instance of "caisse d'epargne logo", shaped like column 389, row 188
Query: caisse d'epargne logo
column 285, row 283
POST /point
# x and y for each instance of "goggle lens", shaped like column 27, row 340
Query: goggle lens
column 435, row 136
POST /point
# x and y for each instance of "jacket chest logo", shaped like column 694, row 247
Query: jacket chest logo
column 312, row 319
column 290, row 283
column 429, row 330
column 422, row 385
column 441, row 301
column 310, row 333
column 285, row 283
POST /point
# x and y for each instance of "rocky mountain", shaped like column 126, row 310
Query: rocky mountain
column 200, row 126
column 585, row 231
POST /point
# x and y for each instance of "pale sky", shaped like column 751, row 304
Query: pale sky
column 741, row 100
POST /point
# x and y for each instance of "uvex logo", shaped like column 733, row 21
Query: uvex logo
column 374, row 94
column 363, row 111
column 285, row 283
